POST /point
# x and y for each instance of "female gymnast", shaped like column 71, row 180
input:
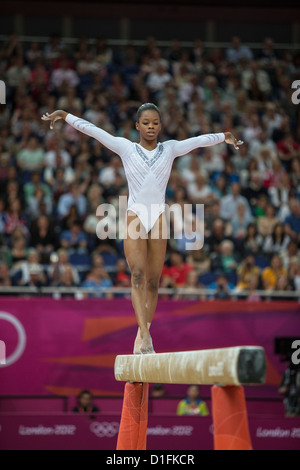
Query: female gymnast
column 147, row 166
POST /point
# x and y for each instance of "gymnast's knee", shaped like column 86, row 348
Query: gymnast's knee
column 153, row 284
column 138, row 278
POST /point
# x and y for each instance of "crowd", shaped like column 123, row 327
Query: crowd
column 52, row 182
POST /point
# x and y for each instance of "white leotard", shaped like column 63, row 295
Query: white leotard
column 147, row 172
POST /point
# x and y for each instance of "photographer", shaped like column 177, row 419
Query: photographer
column 290, row 388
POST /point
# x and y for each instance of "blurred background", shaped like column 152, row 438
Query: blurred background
column 65, row 308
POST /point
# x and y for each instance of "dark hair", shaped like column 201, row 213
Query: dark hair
column 146, row 107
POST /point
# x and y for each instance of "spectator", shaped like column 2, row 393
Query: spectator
column 74, row 238
column 98, row 279
column 288, row 148
column 72, row 197
column 64, row 76
column 43, row 238
column 221, row 288
column 230, row 203
column 31, row 157
column 175, row 275
column 85, row 403
column 122, row 276
column 290, row 388
column 271, row 273
column 59, row 262
column 158, row 391
column 267, row 222
column 292, row 221
column 5, row 278
column 237, row 51
column 192, row 405
column 227, row 259
column 246, row 271
column 253, row 241
column 240, row 223
column 277, row 242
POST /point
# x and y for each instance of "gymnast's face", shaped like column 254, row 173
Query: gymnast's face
column 149, row 125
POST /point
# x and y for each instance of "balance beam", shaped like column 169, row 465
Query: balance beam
column 240, row 365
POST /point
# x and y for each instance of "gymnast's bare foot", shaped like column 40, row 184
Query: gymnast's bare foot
column 143, row 345
column 147, row 346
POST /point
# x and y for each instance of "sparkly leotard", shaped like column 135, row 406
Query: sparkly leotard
column 147, row 172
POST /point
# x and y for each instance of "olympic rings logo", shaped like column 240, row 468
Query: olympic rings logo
column 15, row 356
column 104, row 429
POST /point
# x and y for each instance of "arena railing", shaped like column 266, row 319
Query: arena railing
column 142, row 42
column 183, row 293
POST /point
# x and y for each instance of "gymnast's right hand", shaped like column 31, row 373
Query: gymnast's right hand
column 55, row 116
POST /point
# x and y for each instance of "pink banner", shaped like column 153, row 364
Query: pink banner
column 70, row 432
column 63, row 346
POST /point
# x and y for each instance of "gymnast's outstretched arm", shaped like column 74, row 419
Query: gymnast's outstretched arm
column 182, row 147
column 116, row 144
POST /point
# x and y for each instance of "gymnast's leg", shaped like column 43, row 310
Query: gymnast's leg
column 156, row 251
column 136, row 256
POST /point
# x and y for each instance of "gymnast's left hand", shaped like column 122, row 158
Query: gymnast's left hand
column 230, row 139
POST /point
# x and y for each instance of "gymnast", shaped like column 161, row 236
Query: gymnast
column 147, row 166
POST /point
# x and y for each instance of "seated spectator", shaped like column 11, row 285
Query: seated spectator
column 246, row 271
column 43, row 238
column 64, row 76
column 191, row 287
column 18, row 247
column 85, row 403
column 71, row 198
column 34, row 184
column 219, row 233
column 240, row 222
column 253, row 241
column 37, row 277
column 38, row 200
column 287, row 149
column 97, row 280
column 267, row 222
column 237, row 51
column 227, row 259
column 283, row 284
column 199, row 191
column 230, row 202
column 5, row 277
column 122, row 275
column 192, row 405
column 158, row 391
column 13, row 217
column 294, row 273
column 222, row 289
column 253, row 286
column 74, row 238
column 291, row 253
column 31, row 157
column 58, row 263
column 292, row 221
column 175, row 275
column 67, row 278
column 254, row 190
column 271, row 273
column 277, row 242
